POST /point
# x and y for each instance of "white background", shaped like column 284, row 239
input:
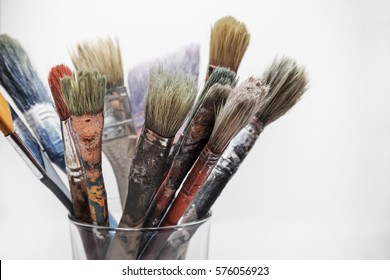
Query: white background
column 317, row 183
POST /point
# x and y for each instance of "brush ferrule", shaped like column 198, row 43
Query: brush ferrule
column 152, row 137
column 45, row 124
column 72, row 155
column 118, row 121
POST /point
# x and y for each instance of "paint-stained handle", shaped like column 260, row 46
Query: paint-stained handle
column 198, row 175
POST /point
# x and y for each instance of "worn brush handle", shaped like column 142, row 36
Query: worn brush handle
column 45, row 124
column 194, row 140
column 76, row 175
column 89, row 130
column 198, row 175
column 146, row 173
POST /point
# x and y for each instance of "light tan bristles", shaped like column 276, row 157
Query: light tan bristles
column 170, row 97
column 288, row 82
column 84, row 94
column 103, row 55
column 217, row 95
column 56, row 74
column 229, row 40
column 240, row 107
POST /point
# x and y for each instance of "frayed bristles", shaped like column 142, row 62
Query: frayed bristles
column 84, row 95
column 229, row 40
column 18, row 76
column 217, row 95
column 56, row 74
column 241, row 105
column 168, row 101
column 103, row 55
column 288, row 82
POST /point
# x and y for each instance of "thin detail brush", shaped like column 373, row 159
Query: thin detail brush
column 74, row 168
column 84, row 97
column 229, row 40
column 119, row 134
column 23, row 85
column 170, row 97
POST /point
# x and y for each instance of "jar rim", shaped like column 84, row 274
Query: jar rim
column 179, row 226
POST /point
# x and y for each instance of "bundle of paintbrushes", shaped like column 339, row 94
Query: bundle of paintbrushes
column 162, row 183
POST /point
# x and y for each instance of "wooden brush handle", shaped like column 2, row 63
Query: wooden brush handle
column 198, row 175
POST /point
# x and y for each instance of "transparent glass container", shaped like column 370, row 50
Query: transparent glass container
column 186, row 241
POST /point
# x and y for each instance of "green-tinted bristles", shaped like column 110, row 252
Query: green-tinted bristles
column 169, row 98
column 103, row 55
column 288, row 82
column 84, row 94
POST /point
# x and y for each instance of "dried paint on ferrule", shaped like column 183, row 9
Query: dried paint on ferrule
column 210, row 70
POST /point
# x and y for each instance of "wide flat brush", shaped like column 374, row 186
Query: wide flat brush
column 170, row 97
column 23, row 85
column 40, row 165
column 240, row 106
column 229, row 40
column 75, row 171
column 84, row 97
column 119, row 135
column 185, row 60
column 288, row 82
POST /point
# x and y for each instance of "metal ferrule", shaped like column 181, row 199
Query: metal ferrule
column 118, row 120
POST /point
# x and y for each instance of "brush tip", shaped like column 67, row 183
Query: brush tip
column 168, row 101
column 85, row 93
column 229, row 41
column 55, row 75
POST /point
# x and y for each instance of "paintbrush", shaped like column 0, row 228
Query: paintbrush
column 119, row 135
column 37, row 162
column 23, row 85
column 84, row 97
column 169, row 98
column 240, row 106
column 194, row 140
column 185, row 60
column 76, row 174
column 229, row 40
column 288, row 82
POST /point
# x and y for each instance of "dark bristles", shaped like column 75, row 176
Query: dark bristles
column 229, row 40
column 240, row 107
column 169, row 98
column 217, row 95
column 56, row 74
column 288, row 82
column 84, row 95
column 18, row 76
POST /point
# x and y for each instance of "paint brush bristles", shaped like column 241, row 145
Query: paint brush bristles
column 229, row 41
column 57, row 73
column 288, row 82
column 170, row 97
column 103, row 55
column 85, row 100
